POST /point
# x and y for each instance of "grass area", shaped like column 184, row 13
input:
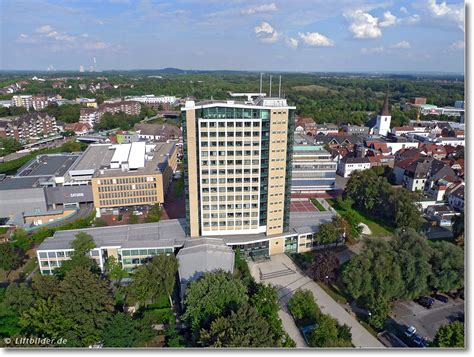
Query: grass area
column 378, row 228
column 317, row 204
column 3, row 230
column 334, row 293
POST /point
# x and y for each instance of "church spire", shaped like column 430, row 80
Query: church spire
column 385, row 111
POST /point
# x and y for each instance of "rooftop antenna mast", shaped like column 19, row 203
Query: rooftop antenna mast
column 261, row 78
column 279, row 88
column 270, row 95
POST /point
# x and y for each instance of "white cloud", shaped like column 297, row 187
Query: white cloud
column 389, row 19
column 291, row 42
column 404, row 10
column 363, row 25
column 410, row 20
column 44, row 29
column 266, row 33
column 458, row 45
column 315, row 39
column 401, row 44
column 265, row 8
column 452, row 12
column 373, row 50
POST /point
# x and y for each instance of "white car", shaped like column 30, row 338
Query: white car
column 137, row 213
column 410, row 331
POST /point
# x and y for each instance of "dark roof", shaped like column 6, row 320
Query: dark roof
column 356, row 160
column 385, row 111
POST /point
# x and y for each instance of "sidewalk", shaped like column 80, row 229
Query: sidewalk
column 287, row 284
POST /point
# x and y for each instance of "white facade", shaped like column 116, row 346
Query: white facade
column 345, row 169
column 382, row 126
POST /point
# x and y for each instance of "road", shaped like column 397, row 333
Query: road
column 281, row 272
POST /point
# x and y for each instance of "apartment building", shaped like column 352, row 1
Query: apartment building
column 89, row 116
column 22, row 101
column 92, row 115
column 126, row 174
column 27, row 127
column 238, row 166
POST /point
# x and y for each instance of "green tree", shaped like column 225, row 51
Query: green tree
column 212, row 295
column 154, row 214
column 85, row 300
column 243, row 328
column 303, row 307
column 447, row 262
column 413, row 255
column 45, row 318
column 10, row 258
column 133, row 219
column 162, row 271
column 19, row 297
column 45, row 285
column 327, row 333
column 328, row 233
column 82, row 245
column 450, row 336
column 9, row 145
column 124, row 331
column 378, row 309
column 114, row 270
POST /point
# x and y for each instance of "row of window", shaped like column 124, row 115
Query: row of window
column 133, row 200
column 230, row 189
column 139, row 186
column 147, row 252
column 239, row 143
column 231, row 162
column 230, row 153
column 232, row 113
column 127, row 194
column 230, row 223
column 229, row 171
column 115, row 181
column 237, row 198
column 230, row 206
column 229, row 134
column 230, row 180
column 230, row 215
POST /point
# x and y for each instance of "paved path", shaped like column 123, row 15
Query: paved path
column 281, row 272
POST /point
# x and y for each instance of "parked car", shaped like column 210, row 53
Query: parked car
column 442, row 298
column 137, row 213
column 419, row 341
column 425, row 301
column 410, row 331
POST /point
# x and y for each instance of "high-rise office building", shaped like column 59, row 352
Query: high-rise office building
column 238, row 166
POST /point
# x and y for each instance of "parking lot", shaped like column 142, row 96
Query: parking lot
column 427, row 321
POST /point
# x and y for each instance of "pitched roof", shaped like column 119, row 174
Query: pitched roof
column 385, row 111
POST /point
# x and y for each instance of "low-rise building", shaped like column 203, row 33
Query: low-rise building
column 350, row 164
column 355, row 129
column 314, row 170
column 456, row 197
column 79, row 129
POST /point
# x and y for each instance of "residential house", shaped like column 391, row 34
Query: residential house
column 348, row 165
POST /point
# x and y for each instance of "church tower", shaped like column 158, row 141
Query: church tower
column 382, row 126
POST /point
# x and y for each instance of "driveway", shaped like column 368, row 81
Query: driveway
column 426, row 321
column 281, row 272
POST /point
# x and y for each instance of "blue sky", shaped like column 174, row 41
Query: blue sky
column 296, row 35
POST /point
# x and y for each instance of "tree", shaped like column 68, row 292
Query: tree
column 133, row 219
column 450, row 336
column 162, row 271
column 19, row 297
column 82, row 245
column 154, row 214
column 328, row 233
column 45, row 318
column 9, row 145
column 375, row 273
column 458, row 226
column 378, row 311
column 244, row 328
column 10, row 258
column 325, row 267
column 413, row 255
column 45, row 285
column 265, row 301
column 21, row 239
column 447, row 262
column 124, row 331
column 114, row 270
column 327, row 333
column 212, row 295
column 303, row 307
column 85, row 300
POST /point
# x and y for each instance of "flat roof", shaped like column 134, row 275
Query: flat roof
column 167, row 233
column 20, row 183
column 95, row 157
column 48, row 165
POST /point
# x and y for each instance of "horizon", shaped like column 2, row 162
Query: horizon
column 358, row 36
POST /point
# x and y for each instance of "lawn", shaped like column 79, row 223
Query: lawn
column 318, row 205
column 378, row 228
